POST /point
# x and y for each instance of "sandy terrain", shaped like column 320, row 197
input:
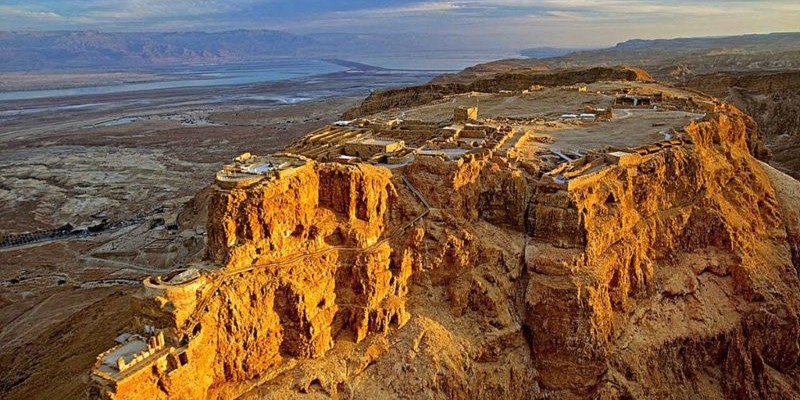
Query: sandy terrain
column 71, row 174
column 13, row 81
column 627, row 128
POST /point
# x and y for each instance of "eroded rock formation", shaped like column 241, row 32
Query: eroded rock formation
column 772, row 98
column 478, row 186
column 670, row 278
column 667, row 274
column 303, row 259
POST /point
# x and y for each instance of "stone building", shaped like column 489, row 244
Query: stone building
column 631, row 100
column 369, row 147
column 248, row 169
column 464, row 114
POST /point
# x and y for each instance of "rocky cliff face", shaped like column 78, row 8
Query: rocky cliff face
column 674, row 275
column 320, row 205
column 772, row 98
column 304, row 259
column 478, row 186
column 514, row 80
column 778, row 113
column 762, row 82
column 672, row 278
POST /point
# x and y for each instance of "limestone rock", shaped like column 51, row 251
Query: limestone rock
column 635, row 314
column 674, row 276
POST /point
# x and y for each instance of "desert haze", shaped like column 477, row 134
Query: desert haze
column 361, row 200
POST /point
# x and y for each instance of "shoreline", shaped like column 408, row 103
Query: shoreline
column 36, row 117
column 222, row 89
column 36, row 85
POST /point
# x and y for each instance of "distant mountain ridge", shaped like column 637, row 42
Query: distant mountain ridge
column 91, row 49
column 752, row 41
column 548, row 52
column 666, row 59
column 669, row 59
column 688, row 56
column 34, row 50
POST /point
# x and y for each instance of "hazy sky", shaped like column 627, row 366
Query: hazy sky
column 506, row 23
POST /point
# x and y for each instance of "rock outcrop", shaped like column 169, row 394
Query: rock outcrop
column 772, row 98
column 669, row 274
column 320, row 205
column 303, row 258
column 477, row 186
column 669, row 278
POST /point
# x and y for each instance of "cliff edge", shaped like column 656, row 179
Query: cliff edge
column 471, row 268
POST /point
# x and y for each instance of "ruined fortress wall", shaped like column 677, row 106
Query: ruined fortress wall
column 515, row 81
column 180, row 300
column 465, row 114
column 478, row 187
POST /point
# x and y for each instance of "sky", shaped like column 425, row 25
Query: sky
column 501, row 23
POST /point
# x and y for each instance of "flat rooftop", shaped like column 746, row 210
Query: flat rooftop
column 248, row 169
column 449, row 153
column 375, row 141
column 127, row 351
column 628, row 128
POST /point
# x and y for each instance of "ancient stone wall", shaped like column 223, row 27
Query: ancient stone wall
column 514, row 81
column 477, row 187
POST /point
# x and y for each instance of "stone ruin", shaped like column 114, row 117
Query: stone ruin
column 465, row 114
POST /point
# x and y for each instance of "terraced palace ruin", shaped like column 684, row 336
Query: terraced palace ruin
column 589, row 234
